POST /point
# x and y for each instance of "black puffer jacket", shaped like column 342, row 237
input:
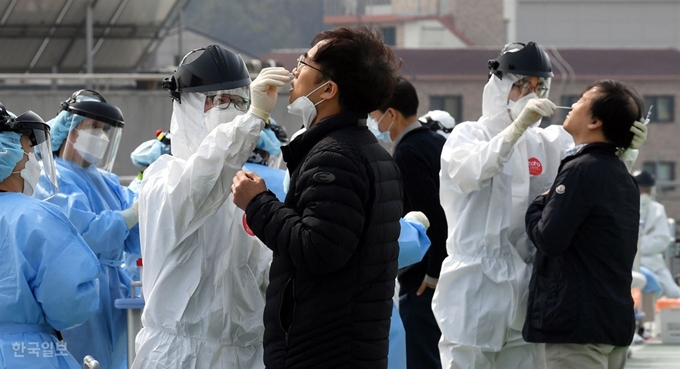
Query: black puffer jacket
column 329, row 300
column 586, row 232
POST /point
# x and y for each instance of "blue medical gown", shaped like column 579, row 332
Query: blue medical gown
column 92, row 199
column 413, row 244
column 273, row 178
column 130, row 258
column 48, row 280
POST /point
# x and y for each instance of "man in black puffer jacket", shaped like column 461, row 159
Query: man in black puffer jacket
column 334, row 239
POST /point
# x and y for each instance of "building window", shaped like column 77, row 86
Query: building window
column 389, row 35
column 663, row 109
column 451, row 104
column 663, row 171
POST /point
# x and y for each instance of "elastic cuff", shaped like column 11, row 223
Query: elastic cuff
column 257, row 197
column 259, row 113
column 431, row 280
column 130, row 216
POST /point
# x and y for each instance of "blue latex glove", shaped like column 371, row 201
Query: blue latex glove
column 60, row 126
column 146, row 153
column 268, row 142
column 413, row 242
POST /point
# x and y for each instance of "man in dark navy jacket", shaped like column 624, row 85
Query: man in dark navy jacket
column 334, row 238
column 586, row 229
column 416, row 150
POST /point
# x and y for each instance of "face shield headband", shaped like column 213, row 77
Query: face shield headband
column 31, row 125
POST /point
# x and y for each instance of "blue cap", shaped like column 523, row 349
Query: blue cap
column 11, row 153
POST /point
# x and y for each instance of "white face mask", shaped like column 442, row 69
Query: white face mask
column 91, row 144
column 305, row 108
column 216, row 116
column 645, row 199
column 516, row 107
column 30, row 174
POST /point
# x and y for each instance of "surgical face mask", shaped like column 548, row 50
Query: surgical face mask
column 30, row 174
column 305, row 108
column 216, row 116
column 91, row 144
column 374, row 127
column 516, row 107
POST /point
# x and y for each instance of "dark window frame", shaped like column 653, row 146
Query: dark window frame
column 392, row 32
column 654, row 100
column 651, row 167
column 437, row 102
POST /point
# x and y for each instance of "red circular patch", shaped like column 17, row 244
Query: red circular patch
column 245, row 225
column 535, row 167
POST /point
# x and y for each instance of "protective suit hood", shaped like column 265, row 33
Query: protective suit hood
column 495, row 102
column 190, row 125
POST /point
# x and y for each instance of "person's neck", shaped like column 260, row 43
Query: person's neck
column 323, row 112
column 400, row 125
column 589, row 139
column 13, row 183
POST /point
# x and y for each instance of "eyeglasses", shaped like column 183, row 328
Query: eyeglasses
column 223, row 101
column 301, row 62
column 525, row 87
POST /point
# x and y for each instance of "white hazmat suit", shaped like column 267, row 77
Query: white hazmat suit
column 204, row 276
column 487, row 184
column 655, row 237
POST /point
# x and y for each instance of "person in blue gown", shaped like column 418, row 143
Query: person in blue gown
column 48, row 274
column 85, row 138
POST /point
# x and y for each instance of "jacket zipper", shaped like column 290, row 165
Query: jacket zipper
column 290, row 326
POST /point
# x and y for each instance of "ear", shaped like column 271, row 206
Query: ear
column 329, row 91
column 595, row 124
column 395, row 113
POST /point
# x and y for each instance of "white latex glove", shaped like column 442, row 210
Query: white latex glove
column 420, row 217
column 131, row 215
column 629, row 156
column 639, row 130
column 264, row 89
column 532, row 113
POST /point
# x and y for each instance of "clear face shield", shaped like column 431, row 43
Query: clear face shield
column 525, row 89
column 238, row 98
column 39, row 134
column 92, row 142
column 201, row 112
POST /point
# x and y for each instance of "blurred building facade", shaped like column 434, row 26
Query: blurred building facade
column 635, row 41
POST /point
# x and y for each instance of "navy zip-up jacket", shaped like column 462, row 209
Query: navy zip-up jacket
column 585, row 230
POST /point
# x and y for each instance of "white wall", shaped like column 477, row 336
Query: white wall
column 600, row 23
column 429, row 34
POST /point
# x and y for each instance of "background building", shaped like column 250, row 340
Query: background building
column 444, row 44
column 453, row 80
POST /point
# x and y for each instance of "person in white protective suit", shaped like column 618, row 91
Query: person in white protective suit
column 204, row 276
column 655, row 235
column 491, row 170
column 438, row 121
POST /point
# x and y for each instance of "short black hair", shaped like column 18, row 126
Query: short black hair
column 404, row 99
column 618, row 106
column 359, row 62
